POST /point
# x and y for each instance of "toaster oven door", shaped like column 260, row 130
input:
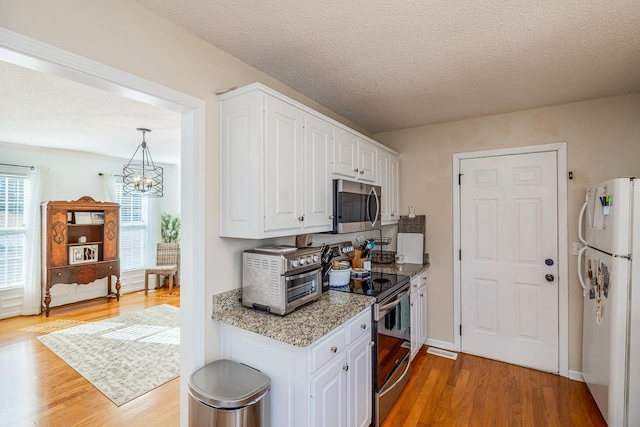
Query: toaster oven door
column 303, row 287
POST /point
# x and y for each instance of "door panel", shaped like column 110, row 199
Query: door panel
column 318, row 184
column 283, row 166
column 508, row 212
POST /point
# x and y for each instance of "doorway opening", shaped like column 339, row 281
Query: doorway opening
column 21, row 50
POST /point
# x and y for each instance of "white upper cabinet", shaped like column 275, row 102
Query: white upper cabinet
column 388, row 179
column 318, row 199
column 383, row 182
column 283, row 166
column 345, row 154
column 354, row 157
column 367, row 155
column 394, row 187
column 278, row 159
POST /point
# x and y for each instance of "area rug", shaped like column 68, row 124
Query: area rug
column 125, row 356
column 54, row 325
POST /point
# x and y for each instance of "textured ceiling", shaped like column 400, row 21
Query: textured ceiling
column 389, row 65
column 47, row 111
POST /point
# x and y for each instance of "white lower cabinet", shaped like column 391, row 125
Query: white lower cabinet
column 329, row 395
column 359, row 383
column 418, row 313
column 328, row 383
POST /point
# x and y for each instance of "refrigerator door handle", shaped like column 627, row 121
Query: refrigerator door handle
column 584, row 286
column 580, row 217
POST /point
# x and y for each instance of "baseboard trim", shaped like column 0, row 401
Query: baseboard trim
column 576, row 376
column 445, row 345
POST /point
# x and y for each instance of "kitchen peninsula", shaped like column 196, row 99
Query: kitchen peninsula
column 319, row 357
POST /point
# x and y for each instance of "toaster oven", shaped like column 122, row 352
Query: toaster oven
column 280, row 279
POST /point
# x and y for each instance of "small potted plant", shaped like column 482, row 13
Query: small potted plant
column 169, row 228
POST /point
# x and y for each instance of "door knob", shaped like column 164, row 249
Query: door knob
column 549, row 277
column 548, row 261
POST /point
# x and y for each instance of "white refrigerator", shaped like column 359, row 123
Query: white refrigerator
column 609, row 227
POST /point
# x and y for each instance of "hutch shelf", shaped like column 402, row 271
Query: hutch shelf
column 80, row 244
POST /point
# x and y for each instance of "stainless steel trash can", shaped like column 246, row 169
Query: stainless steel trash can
column 227, row 394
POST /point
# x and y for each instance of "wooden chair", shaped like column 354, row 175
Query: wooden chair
column 167, row 264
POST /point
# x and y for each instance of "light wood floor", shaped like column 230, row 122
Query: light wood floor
column 473, row 391
column 38, row 389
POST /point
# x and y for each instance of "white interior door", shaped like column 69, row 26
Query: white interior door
column 509, row 235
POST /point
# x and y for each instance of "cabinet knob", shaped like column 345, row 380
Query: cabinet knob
column 411, row 304
column 330, row 216
column 361, row 172
column 372, row 343
column 110, row 267
column 363, row 326
column 334, row 349
column 59, row 274
column 356, row 170
column 393, row 214
column 421, row 295
column 301, row 218
column 345, row 368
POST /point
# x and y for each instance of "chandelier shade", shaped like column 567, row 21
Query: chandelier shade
column 141, row 177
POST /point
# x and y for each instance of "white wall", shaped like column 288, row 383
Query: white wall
column 603, row 142
column 69, row 175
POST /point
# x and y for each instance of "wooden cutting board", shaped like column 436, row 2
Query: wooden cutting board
column 411, row 245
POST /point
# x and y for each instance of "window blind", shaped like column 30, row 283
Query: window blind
column 13, row 230
column 134, row 222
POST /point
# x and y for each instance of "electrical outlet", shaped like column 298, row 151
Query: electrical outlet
column 576, row 247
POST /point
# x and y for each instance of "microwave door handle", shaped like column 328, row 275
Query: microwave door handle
column 373, row 220
column 377, row 199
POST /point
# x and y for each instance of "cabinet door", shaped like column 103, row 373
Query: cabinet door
column 359, row 383
column 422, row 316
column 318, row 195
column 283, row 166
column 111, row 233
column 415, row 284
column 394, row 187
column 383, row 182
column 345, row 154
column 57, row 239
column 367, row 161
column 328, row 395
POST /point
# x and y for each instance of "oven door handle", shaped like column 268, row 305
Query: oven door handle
column 387, row 307
column 309, row 272
column 382, row 310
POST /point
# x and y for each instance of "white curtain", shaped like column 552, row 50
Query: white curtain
column 33, row 283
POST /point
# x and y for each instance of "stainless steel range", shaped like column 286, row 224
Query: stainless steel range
column 391, row 331
column 279, row 279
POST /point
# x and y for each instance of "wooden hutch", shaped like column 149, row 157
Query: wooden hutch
column 79, row 244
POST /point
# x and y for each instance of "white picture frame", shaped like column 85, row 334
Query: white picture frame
column 82, row 217
column 82, row 254
column 97, row 217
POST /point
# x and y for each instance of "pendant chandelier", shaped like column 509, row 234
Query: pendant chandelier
column 142, row 178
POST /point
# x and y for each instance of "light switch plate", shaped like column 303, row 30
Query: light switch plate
column 576, row 247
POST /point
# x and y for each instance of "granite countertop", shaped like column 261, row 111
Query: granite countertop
column 300, row 328
column 411, row 270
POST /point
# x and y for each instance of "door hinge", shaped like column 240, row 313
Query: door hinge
column 460, row 254
column 460, row 330
column 460, row 178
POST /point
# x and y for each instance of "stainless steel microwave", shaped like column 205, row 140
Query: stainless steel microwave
column 356, row 206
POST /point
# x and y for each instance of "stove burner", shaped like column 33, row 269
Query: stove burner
column 381, row 280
